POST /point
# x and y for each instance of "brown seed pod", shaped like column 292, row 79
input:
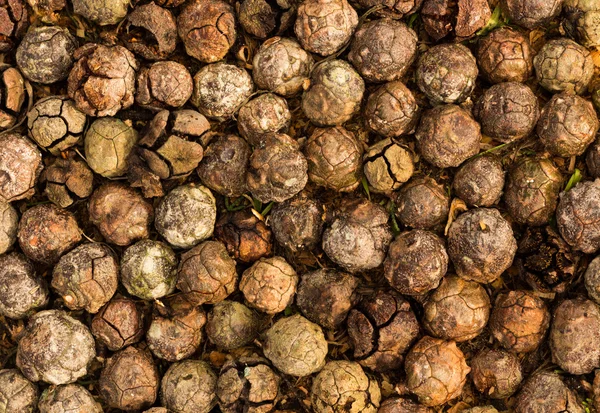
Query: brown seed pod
column 186, row 215
column 264, row 114
column 46, row 232
column 326, row 296
column 391, row 110
column 20, row 167
column 480, row 181
column 169, row 3
column 401, row 405
column 206, row 273
column 224, row 165
column 129, row 380
column 447, row 136
column 575, row 336
column 564, row 66
column 582, row 19
column 532, row 190
column 546, row 392
column 164, row 84
column 12, row 87
column 247, row 384
column 325, row 26
column 175, row 332
column 358, row 236
column 298, row 222
column 531, row 13
column 108, row 143
column 207, row 29
column 149, row 269
column 118, row 324
column 246, row 237
column 87, row 277
column 281, row 66
column 334, row 94
column 505, row 55
column 45, row 55
column 343, row 386
column 150, row 31
column 295, row 346
column 578, row 216
column 567, row 125
column 220, row 89
column 17, row 394
column 481, row 245
column 22, row 291
column 120, row 213
column 507, row 111
column 496, row 373
column 383, row 61
column 14, row 20
column 55, row 348
column 436, row 371
column 9, row 223
column 519, row 321
column 592, row 279
column 68, row 178
column 381, row 328
column 260, row 18
column 269, row 285
column 231, row 325
column 103, row 13
column 446, row 73
column 189, row 386
column 395, row 9
column 334, row 158
column 592, row 159
column 102, row 81
column 47, row 10
column 457, row 310
column 55, row 124
column 68, row 397
column 422, row 203
column 416, row 262
column 277, row 170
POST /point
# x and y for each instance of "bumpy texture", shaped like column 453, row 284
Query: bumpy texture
column 402, row 405
column 446, row 73
column 246, row 237
column 189, row 387
column 519, row 321
column 381, row 328
column 592, row 279
column 20, row 167
column 231, row 325
column 68, row 398
column 567, row 125
column 592, row 159
column 207, row 29
column 207, row 273
column 118, row 324
column 545, row 392
column 266, row 113
column 164, row 84
column 563, row 66
column 148, row 269
column 531, row 13
column 186, row 215
column 505, row 55
column 383, row 50
column 269, row 285
column 17, row 394
column 220, row 89
column 359, row 235
column 334, row 158
column 87, row 277
column 391, row 110
column 531, row 191
column 334, row 94
column 578, row 216
column 343, row 386
column 281, row 66
column 12, row 85
column 68, row 179
column 457, row 310
column 102, row 81
column 108, row 143
column 575, row 336
column 416, row 262
column 9, row 223
column 387, row 165
column 22, row 291
column 422, row 203
column 584, row 16
column 298, row 222
column 153, row 22
column 55, row 348
column 436, row 371
column 496, row 373
column 295, row 346
column 104, row 12
column 14, row 20
column 325, row 26
column 481, row 245
column 480, row 181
